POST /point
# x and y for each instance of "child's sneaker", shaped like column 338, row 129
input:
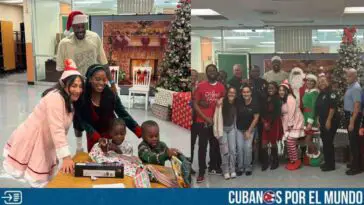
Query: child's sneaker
column 227, row 176
column 200, row 179
column 215, row 172
column 233, row 175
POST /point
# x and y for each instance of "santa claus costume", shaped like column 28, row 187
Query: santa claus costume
column 312, row 155
column 293, row 122
column 297, row 81
column 35, row 147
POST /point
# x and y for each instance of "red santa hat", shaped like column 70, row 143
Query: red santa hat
column 286, row 84
column 75, row 17
column 69, row 70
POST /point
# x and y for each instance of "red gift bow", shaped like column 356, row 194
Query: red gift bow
column 349, row 35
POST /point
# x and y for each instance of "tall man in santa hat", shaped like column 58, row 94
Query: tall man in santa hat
column 84, row 47
column 276, row 74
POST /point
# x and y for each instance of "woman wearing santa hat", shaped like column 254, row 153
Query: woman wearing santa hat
column 36, row 146
column 292, row 120
column 313, row 155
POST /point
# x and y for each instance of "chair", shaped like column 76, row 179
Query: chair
column 140, row 86
column 115, row 75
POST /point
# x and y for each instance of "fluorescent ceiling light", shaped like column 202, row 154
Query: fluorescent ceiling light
column 329, row 30
column 12, row 1
column 354, row 10
column 239, row 48
column 204, row 12
column 233, row 38
column 252, row 31
column 314, row 37
column 268, row 42
column 87, row 2
column 330, row 42
column 265, row 46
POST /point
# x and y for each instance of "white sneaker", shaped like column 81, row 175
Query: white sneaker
column 233, row 175
column 227, row 176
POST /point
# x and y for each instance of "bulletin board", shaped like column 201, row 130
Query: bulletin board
column 226, row 61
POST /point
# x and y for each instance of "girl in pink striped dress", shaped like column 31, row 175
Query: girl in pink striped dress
column 35, row 147
column 292, row 121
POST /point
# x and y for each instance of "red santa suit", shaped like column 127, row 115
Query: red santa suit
column 298, row 85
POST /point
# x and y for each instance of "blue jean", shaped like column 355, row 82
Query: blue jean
column 245, row 151
column 228, row 149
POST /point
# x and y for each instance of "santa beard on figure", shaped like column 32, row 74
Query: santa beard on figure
column 296, row 80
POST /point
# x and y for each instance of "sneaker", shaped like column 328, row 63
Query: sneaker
column 200, row 179
column 227, row 176
column 294, row 165
column 248, row 173
column 233, row 175
column 215, row 171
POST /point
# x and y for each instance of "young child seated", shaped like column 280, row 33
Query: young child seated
column 107, row 150
column 151, row 150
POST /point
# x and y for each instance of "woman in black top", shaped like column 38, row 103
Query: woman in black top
column 247, row 119
column 329, row 119
column 228, row 141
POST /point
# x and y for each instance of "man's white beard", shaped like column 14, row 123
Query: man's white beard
column 297, row 82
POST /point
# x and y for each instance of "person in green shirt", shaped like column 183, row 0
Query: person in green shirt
column 151, row 150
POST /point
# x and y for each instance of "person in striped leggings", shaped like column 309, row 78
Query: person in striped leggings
column 293, row 123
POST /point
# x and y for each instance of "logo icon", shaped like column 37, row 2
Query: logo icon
column 269, row 197
column 13, row 197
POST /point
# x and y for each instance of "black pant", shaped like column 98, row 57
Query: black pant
column 194, row 135
column 354, row 141
column 205, row 134
column 327, row 137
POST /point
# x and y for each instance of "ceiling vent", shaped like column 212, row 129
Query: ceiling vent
column 267, row 12
column 213, row 18
column 288, row 22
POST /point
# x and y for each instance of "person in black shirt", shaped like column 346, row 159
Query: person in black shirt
column 329, row 120
column 235, row 81
column 247, row 119
column 260, row 93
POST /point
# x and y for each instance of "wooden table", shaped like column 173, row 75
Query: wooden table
column 69, row 181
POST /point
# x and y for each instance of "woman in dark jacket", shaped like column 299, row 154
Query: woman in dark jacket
column 98, row 108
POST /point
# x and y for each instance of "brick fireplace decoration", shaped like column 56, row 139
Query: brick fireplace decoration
column 131, row 43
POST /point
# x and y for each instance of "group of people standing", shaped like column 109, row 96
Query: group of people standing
column 288, row 109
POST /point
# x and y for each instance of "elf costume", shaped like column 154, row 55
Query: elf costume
column 96, row 120
column 311, row 157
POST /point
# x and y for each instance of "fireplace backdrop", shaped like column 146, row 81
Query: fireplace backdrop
column 134, row 43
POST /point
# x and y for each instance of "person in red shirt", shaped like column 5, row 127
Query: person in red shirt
column 205, row 98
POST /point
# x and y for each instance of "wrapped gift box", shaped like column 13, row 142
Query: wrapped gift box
column 164, row 97
column 161, row 112
column 181, row 109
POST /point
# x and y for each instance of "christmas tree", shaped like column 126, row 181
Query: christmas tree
column 349, row 54
column 175, row 68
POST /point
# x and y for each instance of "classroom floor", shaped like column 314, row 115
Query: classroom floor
column 305, row 177
column 17, row 100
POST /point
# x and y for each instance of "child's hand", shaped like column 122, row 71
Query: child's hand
column 172, row 152
column 103, row 144
column 115, row 148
